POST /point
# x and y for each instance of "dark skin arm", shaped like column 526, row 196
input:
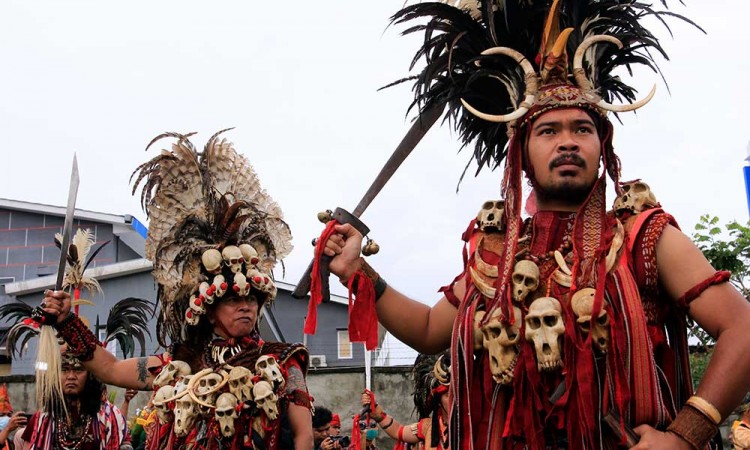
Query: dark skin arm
column 722, row 312
column 428, row 329
column 128, row 373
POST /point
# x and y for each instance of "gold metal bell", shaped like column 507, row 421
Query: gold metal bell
column 370, row 248
column 325, row 216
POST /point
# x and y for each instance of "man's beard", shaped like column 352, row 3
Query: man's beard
column 571, row 192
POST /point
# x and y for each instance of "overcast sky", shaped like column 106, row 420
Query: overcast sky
column 299, row 80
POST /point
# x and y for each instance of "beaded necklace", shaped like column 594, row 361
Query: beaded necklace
column 71, row 437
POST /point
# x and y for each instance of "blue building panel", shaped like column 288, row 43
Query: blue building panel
column 25, row 255
column 53, row 221
column 42, row 236
column 12, row 238
column 23, row 219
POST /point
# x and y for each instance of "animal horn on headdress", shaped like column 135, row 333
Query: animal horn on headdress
column 532, row 86
column 583, row 82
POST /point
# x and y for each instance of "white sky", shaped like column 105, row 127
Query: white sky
column 299, row 81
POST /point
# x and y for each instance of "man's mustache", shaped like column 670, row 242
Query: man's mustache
column 568, row 159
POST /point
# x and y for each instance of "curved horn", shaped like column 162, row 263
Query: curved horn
column 487, row 269
column 580, row 74
column 625, row 108
column 584, row 83
column 529, row 93
column 487, row 290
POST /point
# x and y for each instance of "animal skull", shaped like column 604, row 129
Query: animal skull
column 545, row 328
column 174, row 370
column 233, row 258
column 241, row 384
column 265, row 399
column 491, row 216
column 163, row 412
column 212, row 260
column 219, row 286
column 207, row 292
column 249, row 254
column 582, row 304
column 525, row 280
column 241, row 286
column 636, row 197
column 185, row 413
column 191, row 318
column 261, row 281
column 196, row 305
column 226, row 412
column 500, row 340
column 209, row 383
column 269, row 370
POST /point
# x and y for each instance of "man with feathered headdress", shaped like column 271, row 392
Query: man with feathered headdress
column 431, row 401
column 568, row 328
column 214, row 237
column 73, row 411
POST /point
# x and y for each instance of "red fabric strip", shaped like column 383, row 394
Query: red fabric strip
column 721, row 276
column 316, row 296
column 363, row 320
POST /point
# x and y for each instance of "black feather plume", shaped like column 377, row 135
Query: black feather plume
column 19, row 335
column 453, row 67
column 128, row 322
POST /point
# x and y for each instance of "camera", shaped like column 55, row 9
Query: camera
column 344, row 441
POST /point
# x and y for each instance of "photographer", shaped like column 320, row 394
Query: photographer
column 321, row 423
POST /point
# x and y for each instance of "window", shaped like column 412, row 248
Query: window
column 345, row 345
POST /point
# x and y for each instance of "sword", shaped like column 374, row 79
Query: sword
column 424, row 122
column 39, row 314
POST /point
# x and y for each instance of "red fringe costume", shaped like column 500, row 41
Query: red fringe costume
column 647, row 338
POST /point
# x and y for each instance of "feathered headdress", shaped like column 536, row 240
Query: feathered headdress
column 78, row 261
column 494, row 62
column 430, row 372
column 212, row 229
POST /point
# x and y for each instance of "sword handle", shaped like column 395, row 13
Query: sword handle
column 42, row 317
column 303, row 285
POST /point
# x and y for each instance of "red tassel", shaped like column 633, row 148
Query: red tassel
column 363, row 320
column 356, row 434
column 316, row 296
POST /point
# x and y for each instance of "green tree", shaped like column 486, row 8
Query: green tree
column 726, row 249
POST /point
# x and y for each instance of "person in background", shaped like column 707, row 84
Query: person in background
column 335, row 425
column 92, row 423
column 431, row 401
column 125, row 407
column 321, row 424
column 9, row 421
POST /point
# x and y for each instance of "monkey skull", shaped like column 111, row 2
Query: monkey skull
column 525, row 280
column 490, row 217
column 501, row 342
column 265, row 399
column 582, row 304
column 545, row 329
column 226, row 412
